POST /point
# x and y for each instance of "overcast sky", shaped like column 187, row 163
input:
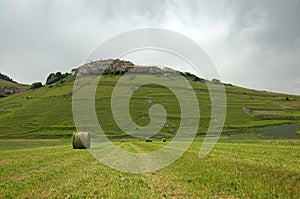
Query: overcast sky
column 255, row 44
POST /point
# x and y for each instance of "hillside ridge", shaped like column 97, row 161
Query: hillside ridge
column 8, row 88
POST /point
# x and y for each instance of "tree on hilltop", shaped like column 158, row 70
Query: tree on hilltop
column 55, row 77
column 6, row 78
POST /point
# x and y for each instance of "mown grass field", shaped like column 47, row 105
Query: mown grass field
column 256, row 169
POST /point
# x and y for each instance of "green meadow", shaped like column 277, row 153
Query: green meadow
column 52, row 169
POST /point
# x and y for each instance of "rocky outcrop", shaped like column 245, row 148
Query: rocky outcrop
column 103, row 67
column 119, row 67
column 7, row 90
column 115, row 67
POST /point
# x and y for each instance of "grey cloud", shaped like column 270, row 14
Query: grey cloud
column 252, row 42
column 276, row 21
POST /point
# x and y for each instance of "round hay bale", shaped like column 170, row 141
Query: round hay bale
column 81, row 140
column 164, row 140
column 148, row 139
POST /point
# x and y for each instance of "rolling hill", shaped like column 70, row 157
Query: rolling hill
column 9, row 88
column 47, row 112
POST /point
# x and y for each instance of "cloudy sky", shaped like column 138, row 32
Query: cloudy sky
column 255, row 44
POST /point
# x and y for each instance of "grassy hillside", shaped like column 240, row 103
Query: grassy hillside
column 7, row 88
column 47, row 112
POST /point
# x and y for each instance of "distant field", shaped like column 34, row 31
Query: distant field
column 52, row 169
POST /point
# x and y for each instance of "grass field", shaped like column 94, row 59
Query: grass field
column 256, row 169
